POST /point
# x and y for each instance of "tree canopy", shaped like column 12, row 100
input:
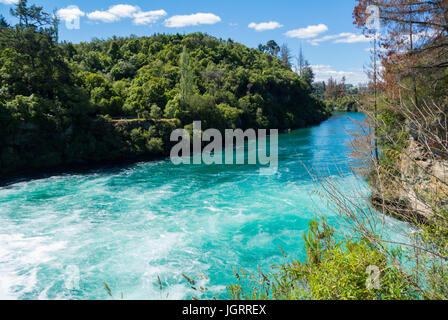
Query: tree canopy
column 64, row 103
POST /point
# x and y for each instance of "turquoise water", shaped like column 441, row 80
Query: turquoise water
column 127, row 226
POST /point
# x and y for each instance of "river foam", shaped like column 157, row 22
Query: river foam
column 129, row 226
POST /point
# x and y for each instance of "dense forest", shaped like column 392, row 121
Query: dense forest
column 64, row 103
column 338, row 95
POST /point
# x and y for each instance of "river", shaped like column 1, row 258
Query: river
column 62, row 236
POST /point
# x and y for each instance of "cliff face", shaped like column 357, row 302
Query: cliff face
column 423, row 186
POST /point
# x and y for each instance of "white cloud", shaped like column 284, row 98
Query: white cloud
column 148, row 17
column 191, row 20
column 308, row 32
column 70, row 13
column 316, row 42
column 103, row 16
column 9, row 1
column 120, row 11
column 352, row 38
column 378, row 49
column 123, row 10
column 345, row 37
column 325, row 72
column 263, row 26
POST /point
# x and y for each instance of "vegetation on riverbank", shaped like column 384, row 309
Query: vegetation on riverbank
column 333, row 270
column 403, row 153
column 63, row 104
column 339, row 96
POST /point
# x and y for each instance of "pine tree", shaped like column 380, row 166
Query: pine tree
column 273, row 48
column 285, row 54
column 304, row 69
column 114, row 51
column 301, row 62
column 3, row 22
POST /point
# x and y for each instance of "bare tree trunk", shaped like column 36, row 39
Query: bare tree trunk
column 375, row 84
column 411, row 41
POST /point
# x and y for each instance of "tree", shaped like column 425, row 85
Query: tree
column 308, row 75
column 122, row 69
column 262, row 48
column 114, row 51
column 68, row 92
column 216, row 78
column 35, row 18
column 3, row 22
column 342, row 88
column 335, row 89
column 319, row 89
column 413, row 39
column 156, row 112
column 40, row 67
column 410, row 29
column 186, row 76
column 331, row 89
column 304, row 69
column 374, row 75
column 285, row 55
column 407, row 108
column 272, row 47
column 301, row 62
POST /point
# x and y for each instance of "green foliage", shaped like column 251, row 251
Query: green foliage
column 270, row 47
column 345, row 103
column 231, row 116
column 186, row 77
column 317, row 241
column 189, row 77
column 59, row 100
column 156, row 112
column 334, row 270
column 3, row 22
column 304, row 69
column 389, row 119
column 308, row 75
column 122, row 70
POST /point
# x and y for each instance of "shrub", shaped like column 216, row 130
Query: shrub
column 333, row 270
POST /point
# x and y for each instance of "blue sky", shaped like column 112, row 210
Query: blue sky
column 324, row 28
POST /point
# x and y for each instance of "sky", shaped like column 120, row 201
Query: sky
column 323, row 28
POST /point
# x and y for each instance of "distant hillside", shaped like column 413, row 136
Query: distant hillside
column 58, row 102
column 126, row 76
